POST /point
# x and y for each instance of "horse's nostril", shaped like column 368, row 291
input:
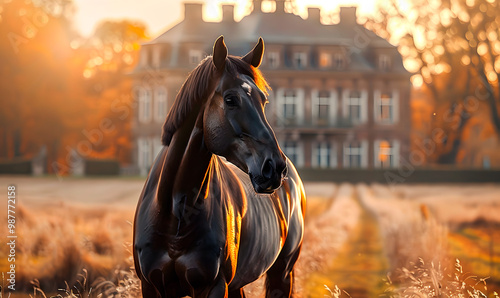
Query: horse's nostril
column 268, row 169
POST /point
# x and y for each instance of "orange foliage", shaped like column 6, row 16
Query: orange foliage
column 57, row 88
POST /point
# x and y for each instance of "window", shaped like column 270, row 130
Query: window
column 300, row 59
column 355, row 155
column 355, row 106
column 294, row 152
column 325, row 60
column 160, row 104
column 384, row 62
column 145, row 156
column 323, row 107
column 290, row 104
column 273, row 58
column 323, row 155
column 145, row 105
column 386, row 154
column 339, row 61
column 195, row 56
column 386, row 107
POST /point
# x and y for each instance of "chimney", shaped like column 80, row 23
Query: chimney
column 193, row 11
column 348, row 15
column 314, row 14
column 228, row 13
column 280, row 6
column 257, row 5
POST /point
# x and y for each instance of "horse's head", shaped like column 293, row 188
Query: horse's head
column 235, row 125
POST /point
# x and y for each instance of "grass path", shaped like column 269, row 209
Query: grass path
column 360, row 265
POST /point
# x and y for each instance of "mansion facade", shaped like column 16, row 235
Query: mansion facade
column 340, row 94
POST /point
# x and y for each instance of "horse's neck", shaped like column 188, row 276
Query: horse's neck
column 185, row 167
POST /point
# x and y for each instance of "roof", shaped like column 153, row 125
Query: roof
column 278, row 27
column 275, row 27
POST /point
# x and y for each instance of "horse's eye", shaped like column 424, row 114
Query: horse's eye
column 231, row 100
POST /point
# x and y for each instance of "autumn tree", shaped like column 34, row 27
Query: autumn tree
column 112, row 52
column 62, row 91
column 39, row 78
column 453, row 46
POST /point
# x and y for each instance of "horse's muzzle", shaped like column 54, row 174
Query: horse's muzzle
column 270, row 177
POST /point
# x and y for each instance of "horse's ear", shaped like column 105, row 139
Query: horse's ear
column 220, row 53
column 254, row 57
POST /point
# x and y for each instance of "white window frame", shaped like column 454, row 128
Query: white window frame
column 331, row 101
column 144, row 154
column 273, row 59
column 195, row 56
column 160, row 101
column 298, row 100
column 302, row 57
column 393, row 151
column 362, row 101
column 394, row 105
column 298, row 150
column 145, row 105
column 324, row 148
column 362, row 150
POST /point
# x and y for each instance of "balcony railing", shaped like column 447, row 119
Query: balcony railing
column 316, row 123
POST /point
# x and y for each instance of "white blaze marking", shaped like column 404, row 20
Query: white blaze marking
column 247, row 88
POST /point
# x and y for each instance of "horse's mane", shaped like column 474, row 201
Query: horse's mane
column 200, row 86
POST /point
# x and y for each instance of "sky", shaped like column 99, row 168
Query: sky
column 160, row 15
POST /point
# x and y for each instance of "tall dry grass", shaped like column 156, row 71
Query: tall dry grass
column 77, row 251
column 57, row 244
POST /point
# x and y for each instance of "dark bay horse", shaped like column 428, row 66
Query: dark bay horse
column 222, row 204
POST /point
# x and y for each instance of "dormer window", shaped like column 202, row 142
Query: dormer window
column 325, row 60
column 300, row 59
column 384, row 62
column 273, row 59
column 339, row 61
column 195, row 56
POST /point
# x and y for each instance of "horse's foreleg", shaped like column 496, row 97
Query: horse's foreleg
column 279, row 281
column 279, row 286
column 148, row 290
column 219, row 290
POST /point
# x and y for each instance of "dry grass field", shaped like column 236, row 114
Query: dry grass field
column 74, row 238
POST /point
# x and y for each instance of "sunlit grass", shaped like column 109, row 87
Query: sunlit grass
column 57, row 243
column 388, row 246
